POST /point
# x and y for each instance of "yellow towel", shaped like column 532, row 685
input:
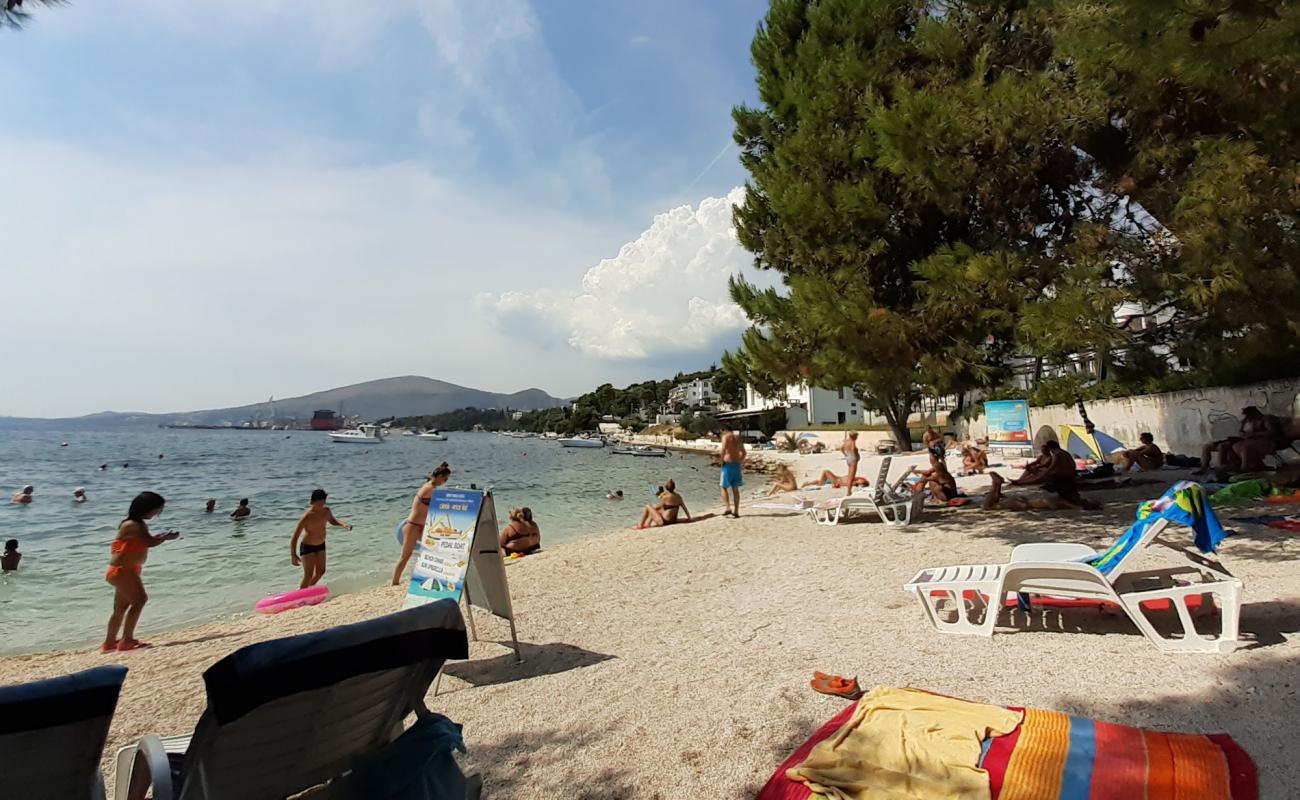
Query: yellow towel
column 902, row 744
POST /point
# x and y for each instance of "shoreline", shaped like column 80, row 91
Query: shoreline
column 681, row 655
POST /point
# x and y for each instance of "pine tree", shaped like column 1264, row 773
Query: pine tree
column 943, row 185
column 897, row 154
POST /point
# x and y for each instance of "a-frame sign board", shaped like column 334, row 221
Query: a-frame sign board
column 459, row 556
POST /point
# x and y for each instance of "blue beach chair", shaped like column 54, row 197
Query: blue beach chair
column 52, row 734
column 292, row 714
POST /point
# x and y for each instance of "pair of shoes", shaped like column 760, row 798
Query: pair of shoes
column 131, row 644
column 835, row 685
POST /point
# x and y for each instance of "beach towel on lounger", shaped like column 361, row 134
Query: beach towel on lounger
column 1184, row 503
column 1054, row 756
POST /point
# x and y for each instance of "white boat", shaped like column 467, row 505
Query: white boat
column 642, row 450
column 432, row 436
column 582, row 441
column 366, row 434
column 408, row 432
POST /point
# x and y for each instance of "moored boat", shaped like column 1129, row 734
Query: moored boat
column 364, row 434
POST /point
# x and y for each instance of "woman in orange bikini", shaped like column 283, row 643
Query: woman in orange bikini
column 129, row 551
column 414, row 524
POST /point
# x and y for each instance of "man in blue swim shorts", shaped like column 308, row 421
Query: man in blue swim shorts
column 733, row 456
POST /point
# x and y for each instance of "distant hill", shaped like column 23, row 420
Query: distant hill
column 409, row 395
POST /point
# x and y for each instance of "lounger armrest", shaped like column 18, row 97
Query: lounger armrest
column 151, row 755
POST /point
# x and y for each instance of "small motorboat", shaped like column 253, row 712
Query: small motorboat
column 642, row 450
column 431, row 435
column 582, row 441
column 365, row 434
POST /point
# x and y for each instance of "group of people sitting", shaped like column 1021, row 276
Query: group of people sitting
column 1262, row 435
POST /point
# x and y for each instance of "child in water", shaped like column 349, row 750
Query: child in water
column 311, row 553
column 9, row 561
column 242, row 511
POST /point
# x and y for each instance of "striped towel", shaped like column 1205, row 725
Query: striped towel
column 1055, row 756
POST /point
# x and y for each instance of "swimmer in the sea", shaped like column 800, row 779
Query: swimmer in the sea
column 210, row 506
column 242, row 510
column 23, row 496
column 617, row 494
column 9, row 561
column 79, row 495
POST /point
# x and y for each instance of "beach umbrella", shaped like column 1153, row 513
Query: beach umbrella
column 1081, row 444
column 806, row 435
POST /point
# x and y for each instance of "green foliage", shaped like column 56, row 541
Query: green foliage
column 943, row 186
column 788, row 443
column 771, row 421
column 462, row 419
column 632, row 423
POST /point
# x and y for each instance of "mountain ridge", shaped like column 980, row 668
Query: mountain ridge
column 402, row 395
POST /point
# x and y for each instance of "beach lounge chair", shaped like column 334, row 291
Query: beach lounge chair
column 290, row 714
column 966, row 599
column 892, row 506
column 52, row 734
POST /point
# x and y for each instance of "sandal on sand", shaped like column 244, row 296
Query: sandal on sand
column 131, row 644
column 839, row 687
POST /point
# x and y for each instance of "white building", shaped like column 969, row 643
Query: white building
column 809, row 405
column 693, row 394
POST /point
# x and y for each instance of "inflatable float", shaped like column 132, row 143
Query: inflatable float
column 295, row 599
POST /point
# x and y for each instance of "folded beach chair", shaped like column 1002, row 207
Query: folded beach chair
column 1055, row 756
column 892, row 506
column 966, row 599
column 290, row 714
column 52, row 734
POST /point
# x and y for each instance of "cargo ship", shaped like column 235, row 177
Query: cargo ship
column 325, row 420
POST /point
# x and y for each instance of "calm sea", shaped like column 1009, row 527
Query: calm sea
column 221, row 567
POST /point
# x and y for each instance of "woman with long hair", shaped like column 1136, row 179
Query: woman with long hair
column 128, row 553
column 413, row 526
column 665, row 511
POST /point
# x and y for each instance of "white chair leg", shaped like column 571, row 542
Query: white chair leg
column 1229, row 593
column 986, row 596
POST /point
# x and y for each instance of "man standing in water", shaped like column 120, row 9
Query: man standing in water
column 733, row 456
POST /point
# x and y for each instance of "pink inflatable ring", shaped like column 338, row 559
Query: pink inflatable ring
column 295, row 599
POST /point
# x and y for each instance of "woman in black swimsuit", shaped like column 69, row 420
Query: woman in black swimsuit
column 665, row 513
column 414, row 524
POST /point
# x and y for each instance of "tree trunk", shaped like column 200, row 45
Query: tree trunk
column 896, row 410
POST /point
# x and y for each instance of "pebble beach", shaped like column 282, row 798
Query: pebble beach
column 675, row 662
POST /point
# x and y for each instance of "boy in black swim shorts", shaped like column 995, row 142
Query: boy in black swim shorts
column 311, row 554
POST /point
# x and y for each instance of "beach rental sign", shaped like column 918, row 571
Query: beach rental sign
column 445, row 546
column 1008, row 423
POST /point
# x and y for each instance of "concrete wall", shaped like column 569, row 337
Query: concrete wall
column 1180, row 421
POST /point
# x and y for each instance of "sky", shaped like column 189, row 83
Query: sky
column 208, row 203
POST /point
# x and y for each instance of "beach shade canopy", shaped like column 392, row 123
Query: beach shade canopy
column 807, row 435
column 1081, row 444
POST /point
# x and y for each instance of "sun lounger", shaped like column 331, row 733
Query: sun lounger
column 966, row 599
column 290, row 714
column 52, row 734
column 892, row 506
column 1052, row 756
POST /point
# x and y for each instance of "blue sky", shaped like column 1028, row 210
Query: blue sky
column 207, row 203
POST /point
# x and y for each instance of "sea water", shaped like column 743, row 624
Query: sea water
column 221, row 567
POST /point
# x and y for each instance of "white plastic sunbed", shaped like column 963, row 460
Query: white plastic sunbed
column 966, row 599
column 893, row 508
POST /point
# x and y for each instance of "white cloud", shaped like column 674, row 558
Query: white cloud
column 639, row 39
column 664, row 293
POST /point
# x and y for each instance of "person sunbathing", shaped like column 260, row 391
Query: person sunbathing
column 974, row 460
column 1261, row 435
column 1053, row 472
column 829, row 478
column 784, row 481
column 1147, row 456
column 940, row 482
column 665, row 511
column 522, row 535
